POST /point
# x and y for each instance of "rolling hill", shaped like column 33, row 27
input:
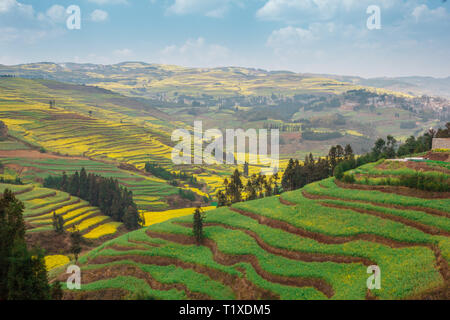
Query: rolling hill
column 313, row 243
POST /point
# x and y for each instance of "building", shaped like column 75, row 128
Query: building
column 441, row 143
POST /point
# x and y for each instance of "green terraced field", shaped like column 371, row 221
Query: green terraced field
column 313, row 243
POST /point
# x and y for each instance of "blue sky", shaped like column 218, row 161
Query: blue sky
column 318, row 36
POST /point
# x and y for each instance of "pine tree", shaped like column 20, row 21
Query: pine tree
column 27, row 275
column 64, row 182
column 198, row 225
column 349, row 152
column 74, row 184
column 84, row 184
column 12, row 230
column 131, row 218
column 75, row 243
column 246, row 169
column 58, row 223
column 234, row 188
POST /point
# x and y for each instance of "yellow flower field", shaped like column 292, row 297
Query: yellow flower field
column 90, row 222
column 103, row 230
column 152, row 218
column 55, row 261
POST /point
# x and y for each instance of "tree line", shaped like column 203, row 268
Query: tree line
column 336, row 163
column 257, row 186
column 113, row 200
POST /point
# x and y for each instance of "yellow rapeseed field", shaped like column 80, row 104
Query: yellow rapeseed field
column 161, row 216
column 55, row 261
column 103, row 230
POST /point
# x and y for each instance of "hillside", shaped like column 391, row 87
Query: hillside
column 312, row 243
column 312, row 113
column 153, row 80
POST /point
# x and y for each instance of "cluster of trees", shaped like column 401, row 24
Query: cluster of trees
column 387, row 149
column 423, row 143
column 158, row 171
column 297, row 174
column 106, row 193
column 382, row 149
column 23, row 275
column 258, row 186
column 15, row 181
column 320, row 136
column 186, row 194
column 165, row 174
column 338, row 161
column 444, row 133
column 283, row 127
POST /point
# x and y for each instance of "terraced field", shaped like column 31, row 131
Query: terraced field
column 149, row 192
column 313, row 243
column 41, row 203
column 90, row 123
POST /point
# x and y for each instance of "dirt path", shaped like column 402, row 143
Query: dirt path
column 243, row 289
column 230, row 260
column 290, row 254
column 34, row 154
column 441, row 263
column 403, row 191
column 111, row 272
column 326, row 239
column 416, row 225
column 379, row 204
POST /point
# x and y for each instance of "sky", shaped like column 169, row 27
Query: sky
column 307, row 36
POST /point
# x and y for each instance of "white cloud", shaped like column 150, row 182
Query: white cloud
column 282, row 10
column 123, row 53
column 106, row 2
column 99, row 15
column 289, row 36
column 12, row 6
column 55, row 13
column 196, row 53
column 210, row 8
column 422, row 12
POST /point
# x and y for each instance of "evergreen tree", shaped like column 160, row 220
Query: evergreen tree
column 234, row 188
column 132, row 219
column 198, row 225
column 58, row 223
column 64, row 182
column 84, row 184
column 75, row 243
column 12, row 230
column 74, row 184
column 246, row 169
column 348, row 152
column 221, row 199
column 27, row 275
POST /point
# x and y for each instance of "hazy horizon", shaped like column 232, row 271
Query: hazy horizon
column 229, row 66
